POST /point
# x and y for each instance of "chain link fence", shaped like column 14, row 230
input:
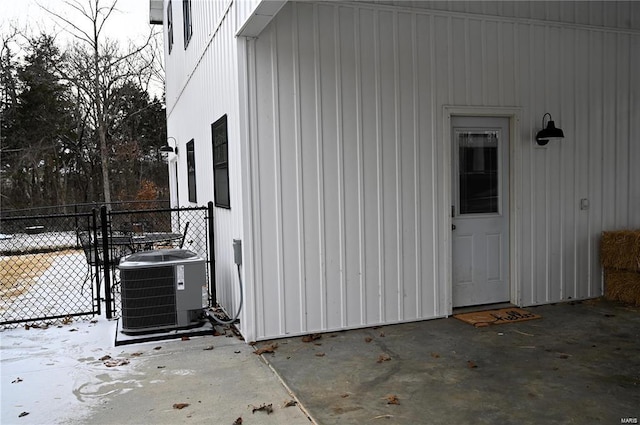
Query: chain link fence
column 44, row 274
column 58, row 266
column 140, row 230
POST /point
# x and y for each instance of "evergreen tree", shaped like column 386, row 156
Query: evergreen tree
column 35, row 139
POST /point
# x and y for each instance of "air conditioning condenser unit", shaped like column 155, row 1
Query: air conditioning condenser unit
column 162, row 290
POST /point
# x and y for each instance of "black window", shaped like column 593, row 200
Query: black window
column 191, row 171
column 170, row 26
column 220, row 163
column 186, row 18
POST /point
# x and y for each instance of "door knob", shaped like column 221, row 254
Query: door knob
column 453, row 227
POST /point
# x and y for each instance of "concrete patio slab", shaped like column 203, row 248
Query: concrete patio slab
column 579, row 364
column 73, row 374
column 219, row 384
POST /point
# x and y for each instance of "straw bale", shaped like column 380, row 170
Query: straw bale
column 620, row 250
column 621, row 285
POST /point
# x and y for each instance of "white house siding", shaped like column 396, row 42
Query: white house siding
column 347, row 179
column 202, row 86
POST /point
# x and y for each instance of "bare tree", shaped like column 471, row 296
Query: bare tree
column 101, row 67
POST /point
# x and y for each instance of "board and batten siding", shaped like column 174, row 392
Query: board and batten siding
column 201, row 87
column 349, row 200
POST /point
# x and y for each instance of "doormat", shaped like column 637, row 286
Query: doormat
column 496, row 317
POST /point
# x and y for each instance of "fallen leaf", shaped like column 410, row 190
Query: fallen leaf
column 94, row 321
column 266, row 349
column 23, row 414
column 208, row 348
column 237, row 421
column 103, row 358
column 263, row 408
column 15, row 381
column 345, row 395
column 392, row 399
column 435, row 355
column 180, row 405
column 136, row 354
column 216, row 333
column 319, row 354
column 383, row 358
column 161, row 367
column 312, row 337
column 564, row 356
column 368, row 339
column 185, row 338
column 73, row 330
column 290, row 403
column 471, row 364
column 67, row 320
column 382, row 334
column 116, row 362
column 238, row 352
column 157, row 348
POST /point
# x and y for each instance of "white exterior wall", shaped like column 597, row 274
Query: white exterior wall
column 201, row 86
column 347, row 188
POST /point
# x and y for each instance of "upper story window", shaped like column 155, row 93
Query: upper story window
column 220, row 163
column 170, row 26
column 186, row 18
column 191, row 171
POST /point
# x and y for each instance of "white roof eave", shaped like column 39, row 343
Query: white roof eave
column 264, row 12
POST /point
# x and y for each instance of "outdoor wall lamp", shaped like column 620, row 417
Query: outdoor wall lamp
column 166, row 150
column 550, row 132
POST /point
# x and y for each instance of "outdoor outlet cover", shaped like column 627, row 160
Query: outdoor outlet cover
column 584, row 204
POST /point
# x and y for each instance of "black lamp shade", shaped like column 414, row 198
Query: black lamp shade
column 548, row 133
column 166, row 149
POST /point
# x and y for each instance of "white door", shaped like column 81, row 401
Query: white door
column 480, row 210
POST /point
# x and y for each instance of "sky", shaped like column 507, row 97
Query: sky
column 131, row 22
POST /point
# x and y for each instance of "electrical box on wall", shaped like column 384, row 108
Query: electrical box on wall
column 237, row 251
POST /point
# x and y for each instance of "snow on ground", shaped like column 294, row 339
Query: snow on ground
column 62, row 289
column 22, row 242
column 55, row 374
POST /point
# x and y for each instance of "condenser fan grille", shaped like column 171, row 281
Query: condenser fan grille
column 148, row 297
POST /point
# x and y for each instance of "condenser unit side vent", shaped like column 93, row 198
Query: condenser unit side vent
column 148, row 297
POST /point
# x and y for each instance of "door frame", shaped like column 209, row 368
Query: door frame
column 515, row 180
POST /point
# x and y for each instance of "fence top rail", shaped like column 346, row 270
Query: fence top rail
column 80, row 207
column 175, row 209
column 31, row 217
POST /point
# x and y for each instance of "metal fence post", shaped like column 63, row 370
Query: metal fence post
column 94, row 234
column 106, row 262
column 212, row 256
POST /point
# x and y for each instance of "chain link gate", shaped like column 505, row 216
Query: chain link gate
column 129, row 231
column 45, row 272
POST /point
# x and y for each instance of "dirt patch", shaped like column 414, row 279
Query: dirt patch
column 19, row 272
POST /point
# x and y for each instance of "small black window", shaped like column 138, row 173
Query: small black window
column 191, row 170
column 220, row 163
column 170, row 26
column 186, row 18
